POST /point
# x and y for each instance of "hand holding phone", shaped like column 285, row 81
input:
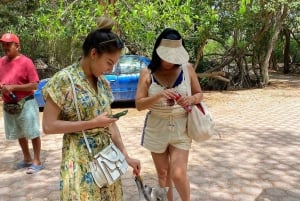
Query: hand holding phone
column 120, row 114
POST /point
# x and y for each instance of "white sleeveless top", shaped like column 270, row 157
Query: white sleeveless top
column 161, row 107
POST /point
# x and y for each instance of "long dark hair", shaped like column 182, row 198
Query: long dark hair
column 102, row 39
column 167, row 33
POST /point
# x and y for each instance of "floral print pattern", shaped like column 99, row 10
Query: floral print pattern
column 76, row 180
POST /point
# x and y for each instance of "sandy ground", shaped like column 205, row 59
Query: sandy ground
column 279, row 85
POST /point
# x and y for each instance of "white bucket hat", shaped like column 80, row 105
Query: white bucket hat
column 172, row 51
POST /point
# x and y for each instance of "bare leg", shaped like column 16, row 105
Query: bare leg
column 161, row 162
column 25, row 150
column 36, row 145
column 178, row 164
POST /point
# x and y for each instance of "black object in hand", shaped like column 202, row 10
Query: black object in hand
column 119, row 114
column 12, row 96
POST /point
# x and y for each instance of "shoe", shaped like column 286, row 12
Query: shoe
column 22, row 164
column 35, row 168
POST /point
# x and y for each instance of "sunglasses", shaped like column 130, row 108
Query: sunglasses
column 119, row 43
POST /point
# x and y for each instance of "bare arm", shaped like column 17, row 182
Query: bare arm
column 196, row 90
column 117, row 140
column 22, row 87
column 53, row 125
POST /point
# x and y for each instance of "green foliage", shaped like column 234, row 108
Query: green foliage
column 204, row 65
column 278, row 51
column 243, row 6
column 136, row 22
column 15, row 17
column 213, row 47
column 55, row 29
column 62, row 26
column 295, row 51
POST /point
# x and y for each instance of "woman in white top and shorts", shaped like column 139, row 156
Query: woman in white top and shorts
column 162, row 90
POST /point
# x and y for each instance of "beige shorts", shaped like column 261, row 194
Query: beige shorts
column 160, row 132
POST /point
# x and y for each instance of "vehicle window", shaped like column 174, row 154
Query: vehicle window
column 129, row 65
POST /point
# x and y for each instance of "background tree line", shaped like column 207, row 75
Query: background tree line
column 235, row 41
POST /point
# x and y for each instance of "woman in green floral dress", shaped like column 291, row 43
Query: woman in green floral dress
column 101, row 50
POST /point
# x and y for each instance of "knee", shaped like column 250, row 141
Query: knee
column 163, row 177
column 162, row 173
column 179, row 174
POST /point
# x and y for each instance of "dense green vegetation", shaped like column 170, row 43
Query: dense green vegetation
column 242, row 38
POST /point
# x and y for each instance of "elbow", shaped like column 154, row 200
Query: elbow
column 141, row 105
column 138, row 106
column 139, row 109
column 47, row 129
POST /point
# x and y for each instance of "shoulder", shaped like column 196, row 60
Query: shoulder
column 144, row 72
column 25, row 58
column 190, row 67
column 145, row 76
column 60, row 80
column 26, row 62
column 63, row 75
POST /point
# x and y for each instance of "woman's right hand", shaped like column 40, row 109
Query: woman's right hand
column 103, row 120
column 168, row 94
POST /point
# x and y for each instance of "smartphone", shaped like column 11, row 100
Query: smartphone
column 120, row 114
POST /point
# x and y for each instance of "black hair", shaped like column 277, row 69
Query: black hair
column 102, row 39
column 167, row 33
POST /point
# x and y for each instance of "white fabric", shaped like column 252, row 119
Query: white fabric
column 200, row 126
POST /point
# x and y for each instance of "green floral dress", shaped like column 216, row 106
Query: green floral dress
column 76, row 179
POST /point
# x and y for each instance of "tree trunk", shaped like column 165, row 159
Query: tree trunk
column 273, row 61
column 199, row 53
column 278, row 25
column 286, row 58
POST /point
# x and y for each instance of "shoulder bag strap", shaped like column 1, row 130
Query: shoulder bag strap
column 77, row 110
column 187, row 79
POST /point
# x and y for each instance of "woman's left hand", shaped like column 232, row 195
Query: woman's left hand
column 135, row 164
column 185, row 101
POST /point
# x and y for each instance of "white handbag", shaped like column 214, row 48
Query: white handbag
column 200, row 124
column 109, row 164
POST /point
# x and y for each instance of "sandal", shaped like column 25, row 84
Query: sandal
column 21, row 165
column 35, row 168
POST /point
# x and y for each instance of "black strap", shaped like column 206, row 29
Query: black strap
column 29, row 97
column 26, row 98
